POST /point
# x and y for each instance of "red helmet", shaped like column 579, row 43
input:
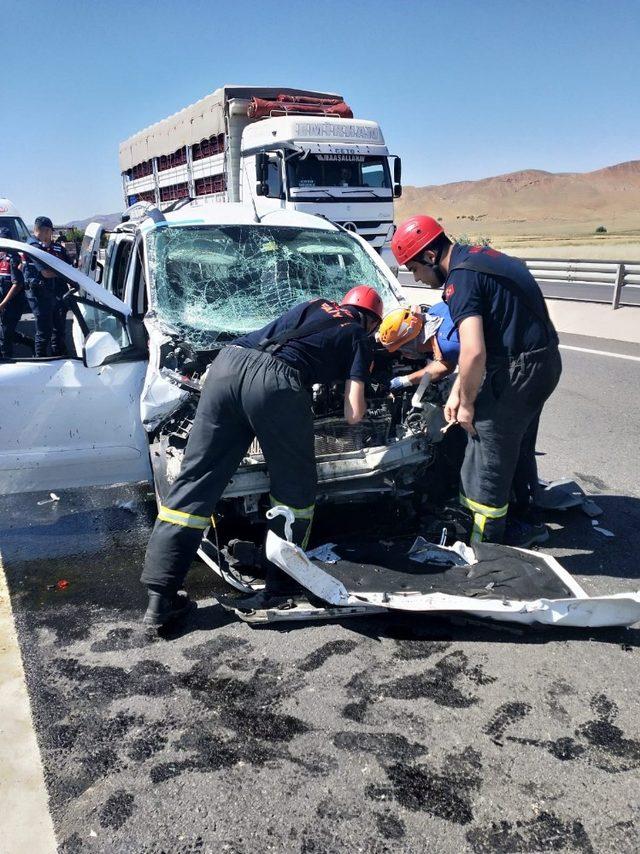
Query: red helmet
column 366, row 297
column 414, row 235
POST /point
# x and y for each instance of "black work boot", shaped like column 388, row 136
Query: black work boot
column 165, row 607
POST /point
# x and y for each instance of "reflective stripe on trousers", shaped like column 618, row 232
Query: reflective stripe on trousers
column 481, row 512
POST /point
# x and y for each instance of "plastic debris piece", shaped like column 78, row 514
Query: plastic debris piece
column 324, row 553
column 591, row 508
column 130, row 506
column 594, row 522
column 559, row 495
column 50, row 500
column 604, row 531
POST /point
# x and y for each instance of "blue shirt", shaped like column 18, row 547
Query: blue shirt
column 505, row 295
column 447, row 334
column 340, row 352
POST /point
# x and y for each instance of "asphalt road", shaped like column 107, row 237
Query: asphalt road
column 372, row 735
column 574, row 291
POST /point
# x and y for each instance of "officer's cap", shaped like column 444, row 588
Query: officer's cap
column 43, row 222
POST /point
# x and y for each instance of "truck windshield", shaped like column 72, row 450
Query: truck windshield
column 354, row 174
column 212, row 283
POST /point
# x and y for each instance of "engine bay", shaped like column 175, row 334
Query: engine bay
column 386, row 451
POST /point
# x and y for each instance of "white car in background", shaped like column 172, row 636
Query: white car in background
column 176, row 287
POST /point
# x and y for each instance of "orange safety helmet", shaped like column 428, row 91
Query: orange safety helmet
column 414, row 235
column 365, row 297
column 399, row 327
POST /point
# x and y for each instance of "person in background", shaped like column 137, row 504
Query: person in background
column 12, row 302
column 45, row 291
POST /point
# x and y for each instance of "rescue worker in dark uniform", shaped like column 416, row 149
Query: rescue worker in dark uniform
column 11, row 298
column 508, row 367
column 259, row 387
column 45, row 291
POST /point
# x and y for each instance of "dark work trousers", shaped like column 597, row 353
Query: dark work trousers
column 247, row 393
column 41, row 299
column 507, row 414
column 9, row 318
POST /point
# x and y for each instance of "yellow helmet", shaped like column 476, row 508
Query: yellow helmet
column 399, row 327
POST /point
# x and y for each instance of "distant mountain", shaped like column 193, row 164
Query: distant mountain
column 533, row 202
column 108, row 220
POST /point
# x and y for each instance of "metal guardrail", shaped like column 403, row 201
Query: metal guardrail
column 572, row 272
column 614, row 274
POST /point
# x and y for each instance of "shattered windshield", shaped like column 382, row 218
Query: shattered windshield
column 211, row 283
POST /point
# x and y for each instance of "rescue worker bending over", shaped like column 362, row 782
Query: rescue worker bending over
column 45, row 291
column 421, row 333
column 11, row 298
column 258, row 387
column 509, row 366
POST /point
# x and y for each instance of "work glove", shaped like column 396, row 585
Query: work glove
column 399, row 382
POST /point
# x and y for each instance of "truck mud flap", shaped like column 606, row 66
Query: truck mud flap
column 415, row 576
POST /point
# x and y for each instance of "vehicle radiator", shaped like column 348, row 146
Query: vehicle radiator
column 335, row 436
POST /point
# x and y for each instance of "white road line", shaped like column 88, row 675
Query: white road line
column 601, row 353
column 26, row 823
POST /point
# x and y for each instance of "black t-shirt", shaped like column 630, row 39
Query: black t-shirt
column 513, row 314
column 340, row 352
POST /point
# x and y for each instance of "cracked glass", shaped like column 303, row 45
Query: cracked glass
column 212, row 283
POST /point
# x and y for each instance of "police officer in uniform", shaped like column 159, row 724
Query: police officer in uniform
column 45, row 291
column 509, row 365
column 11, row 298
column 258, row 387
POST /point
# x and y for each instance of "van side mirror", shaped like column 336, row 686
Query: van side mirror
column 262, row 167
column 98, row 346
column 397, row 177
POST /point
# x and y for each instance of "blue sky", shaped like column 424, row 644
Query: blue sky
column 462, row 89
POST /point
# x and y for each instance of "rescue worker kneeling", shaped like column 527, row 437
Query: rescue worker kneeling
column 258, row 387
column 421, row 333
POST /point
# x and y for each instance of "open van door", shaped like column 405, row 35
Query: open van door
column 74, row 421
column 88, row 262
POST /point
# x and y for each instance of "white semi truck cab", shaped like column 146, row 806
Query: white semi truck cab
column 277, row 148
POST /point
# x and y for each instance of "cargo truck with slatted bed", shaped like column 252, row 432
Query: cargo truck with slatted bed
column 274, row 148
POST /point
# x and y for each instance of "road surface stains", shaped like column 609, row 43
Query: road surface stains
column 545, row 832
column 390, row 826
column 105, row 682
column 318, row 657
column 117, row 810
column 447, row 683
column 151, row 740
column 386, row 746
column 246, row 726
column 407, row 650
column 599, row 742
column 559, row 688
column 123, row 638
column 503, row 717
column 219, row 648
column 446, row 793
